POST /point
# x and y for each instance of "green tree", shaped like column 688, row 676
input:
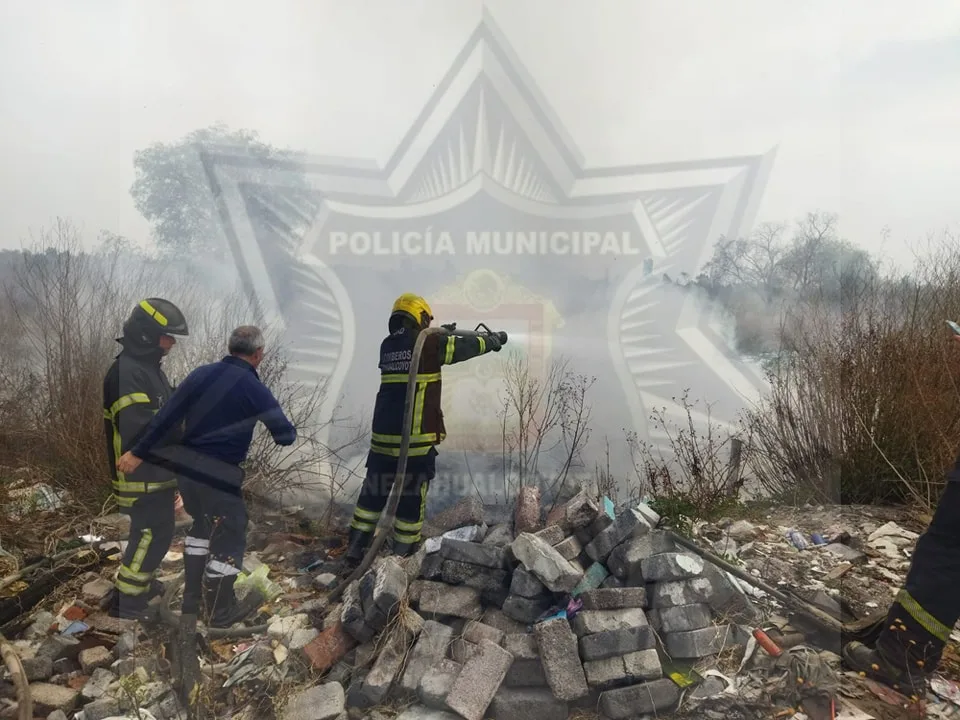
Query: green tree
column 172, row 190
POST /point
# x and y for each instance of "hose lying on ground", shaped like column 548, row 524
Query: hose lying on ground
column 19, row 678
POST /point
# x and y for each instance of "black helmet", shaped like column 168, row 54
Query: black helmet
column 150, row 319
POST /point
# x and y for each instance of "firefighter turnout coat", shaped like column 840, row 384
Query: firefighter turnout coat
column 134, row 389
column 396, row 353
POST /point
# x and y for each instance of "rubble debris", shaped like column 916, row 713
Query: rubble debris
column 594, row 609
column 527, row 517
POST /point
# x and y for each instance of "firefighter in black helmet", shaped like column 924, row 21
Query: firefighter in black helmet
column 133, row 390
column 409, row 315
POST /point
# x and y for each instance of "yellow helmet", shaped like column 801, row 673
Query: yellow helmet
column 414, row 307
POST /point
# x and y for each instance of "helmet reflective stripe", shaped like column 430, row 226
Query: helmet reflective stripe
column 154, row 313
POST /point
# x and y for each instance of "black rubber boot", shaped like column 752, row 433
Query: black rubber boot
column 129, row 607
column 157, row 589
column 405, row 549
column 357, row 543
column 871, row 663
column 193, row 567
column 222, row 605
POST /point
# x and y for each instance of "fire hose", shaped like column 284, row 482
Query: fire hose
column 393, row 501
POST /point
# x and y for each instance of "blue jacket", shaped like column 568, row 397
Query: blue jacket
column 220, row 405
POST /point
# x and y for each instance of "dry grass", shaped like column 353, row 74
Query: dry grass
column 864, row 404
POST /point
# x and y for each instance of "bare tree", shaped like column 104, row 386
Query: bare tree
column 540, row 417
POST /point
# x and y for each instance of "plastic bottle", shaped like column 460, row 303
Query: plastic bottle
column 797, row 540
column 258, row 579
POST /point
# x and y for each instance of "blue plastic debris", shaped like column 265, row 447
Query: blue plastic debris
column 75, row 628
column 609, row 508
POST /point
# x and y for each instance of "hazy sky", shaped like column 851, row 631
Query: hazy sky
column 862, row 96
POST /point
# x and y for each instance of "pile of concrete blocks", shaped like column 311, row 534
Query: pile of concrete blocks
column 579, row 613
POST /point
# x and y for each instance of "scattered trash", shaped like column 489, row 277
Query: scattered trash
column 797, row 540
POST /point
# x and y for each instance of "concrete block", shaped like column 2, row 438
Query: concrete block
column 614, row 598
column 628, row 525
column 625, row 562
column 528, row 704
column 419, row 712
column 671, row 566
column 476, row 576
column 550, row 567
column 482, row 676
column 623, row 669
column 469, row 511
column 499, row 536
column 615, row 643
column 552, row 534
column 590, row 622
column 525, row 584
column 463, row 650
column 321, row 702
column 526, row 673
column 576, row 513
column 526, row 610
column 521, row 646
column 430, row 568
column 527, row 516
column 352, row 614
column 501, row 621
column 699, row 643
column 476, row 632
column 437, row 682
column 570, row 548
column 561, row 659
column 441, row 599
column 430, row 649
column 727, row 599
column 488, row 556
column 683, row 618
column 387, row 667
column 101, row 709
column 93, row 658
column 612, row 582
column 48, row 698
column 637, row 700
column 694, row 591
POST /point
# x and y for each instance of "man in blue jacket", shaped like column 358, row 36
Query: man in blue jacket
column 220, row 405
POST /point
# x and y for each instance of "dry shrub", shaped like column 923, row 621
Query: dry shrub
column 696, row 474
column 544, row 424
column 863, row 406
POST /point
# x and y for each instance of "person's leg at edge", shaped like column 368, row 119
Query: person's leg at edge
column 196, row 547
column 412, row 509
column 227, row 547
column 381, row 472
column 151, row 532
column 922, row 617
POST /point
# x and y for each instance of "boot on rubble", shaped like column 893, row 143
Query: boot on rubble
column 129, row 607
column 222, row 605
column 872, row 664
column 357, row 543
column 403, row 550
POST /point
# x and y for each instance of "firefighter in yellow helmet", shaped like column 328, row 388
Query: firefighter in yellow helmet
column 410, row 314
column 134, row 389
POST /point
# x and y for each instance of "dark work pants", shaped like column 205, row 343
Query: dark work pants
column 411, row 512
column 219, row 531
column 151, row 532
column 926, row 609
